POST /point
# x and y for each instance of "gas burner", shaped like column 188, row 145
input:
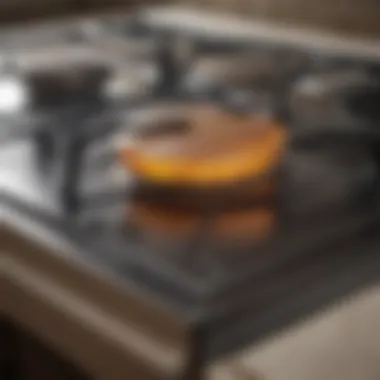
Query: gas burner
column 43, row 87
column 79, row 69
column 165, row 123
column 333, row 100
column 202, row 149
column 54, row 77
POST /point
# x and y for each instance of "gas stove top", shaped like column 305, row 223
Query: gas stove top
column 210, row 267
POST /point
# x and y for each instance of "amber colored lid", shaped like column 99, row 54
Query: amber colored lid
column 204, row 145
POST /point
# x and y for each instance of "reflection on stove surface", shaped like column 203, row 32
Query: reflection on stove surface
column 245, row 225
column 18, row 175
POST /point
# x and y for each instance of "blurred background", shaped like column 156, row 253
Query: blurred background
column 342, row 15
column 341, row 342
